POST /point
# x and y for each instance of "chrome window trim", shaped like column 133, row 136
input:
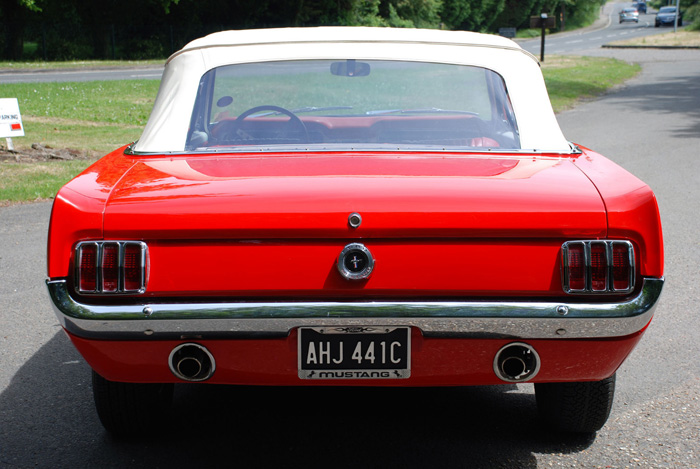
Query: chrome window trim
column 484, row 319
column 504, row 152
column 258, row 149
column 574, row 150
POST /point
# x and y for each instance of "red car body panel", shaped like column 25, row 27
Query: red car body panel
column 492, row 226
column 455, row 197
column 631, row 209
column 255, row 269
column 288, row 196
column 435, row 362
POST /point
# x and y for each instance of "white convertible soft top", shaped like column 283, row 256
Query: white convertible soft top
column 166, row 130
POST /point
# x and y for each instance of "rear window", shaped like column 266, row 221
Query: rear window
column 350, row 104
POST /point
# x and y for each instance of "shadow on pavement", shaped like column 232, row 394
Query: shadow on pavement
column 49, row 420
column 675, row 95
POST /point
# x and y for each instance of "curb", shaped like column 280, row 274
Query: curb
column 613, row 46
column 18, row 71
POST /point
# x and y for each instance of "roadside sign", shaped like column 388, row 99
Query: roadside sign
column 543, row 21
column 10, row 118
column 507, row 32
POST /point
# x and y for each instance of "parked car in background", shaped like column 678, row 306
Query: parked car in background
column 666, row 16
column 629, row 15
column 354, row 207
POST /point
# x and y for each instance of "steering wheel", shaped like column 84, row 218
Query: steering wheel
column 294, row 126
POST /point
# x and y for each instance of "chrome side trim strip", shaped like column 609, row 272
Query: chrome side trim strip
column 492, row 152
column 483, row 319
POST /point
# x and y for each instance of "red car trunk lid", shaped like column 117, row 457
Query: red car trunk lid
column 311, row 196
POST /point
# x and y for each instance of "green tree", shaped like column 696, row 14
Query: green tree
column 69, row 29
column 15, row 14
column 411, row 13
column 362, row 13
column 471, row 15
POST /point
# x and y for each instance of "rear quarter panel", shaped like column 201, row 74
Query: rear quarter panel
column 631, row 208
column 78, row 209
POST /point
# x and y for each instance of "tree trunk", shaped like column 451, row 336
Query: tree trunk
column 14, row 17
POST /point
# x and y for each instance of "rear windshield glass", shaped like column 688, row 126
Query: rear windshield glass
column 351, row 105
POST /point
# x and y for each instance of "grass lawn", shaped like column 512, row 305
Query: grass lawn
column 572, row 79
column 39, row 65
column 100, row 116
column 93, row 116
column 681, row 38
column 26, row 182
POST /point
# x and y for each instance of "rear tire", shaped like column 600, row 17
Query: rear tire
column 131, row 409
column 581, row 407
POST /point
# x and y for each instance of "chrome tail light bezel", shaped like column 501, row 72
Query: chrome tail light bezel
column 99, row 248
column 609, row 247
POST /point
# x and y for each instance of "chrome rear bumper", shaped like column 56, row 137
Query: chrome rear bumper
column 478, row 319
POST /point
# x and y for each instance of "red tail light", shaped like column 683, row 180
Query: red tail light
column 576, row 263
column 86, row 257
column 111, row 267
column 623, row 263
column 134, row 263
column 598, row 267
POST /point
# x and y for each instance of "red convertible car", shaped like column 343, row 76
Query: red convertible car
column 354, row 207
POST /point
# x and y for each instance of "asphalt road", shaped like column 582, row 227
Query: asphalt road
column 606, row 30
column 154, row 72
column 651, row 126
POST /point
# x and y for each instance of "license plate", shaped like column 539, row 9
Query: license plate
column 354, row 352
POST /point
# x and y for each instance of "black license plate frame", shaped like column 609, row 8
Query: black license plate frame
column 354, row 352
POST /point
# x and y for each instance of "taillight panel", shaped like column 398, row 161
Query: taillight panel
column 111, row 267
column 598, row 267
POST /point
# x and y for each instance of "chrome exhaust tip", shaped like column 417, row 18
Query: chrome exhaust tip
column 191, row 362
column 516, row 362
